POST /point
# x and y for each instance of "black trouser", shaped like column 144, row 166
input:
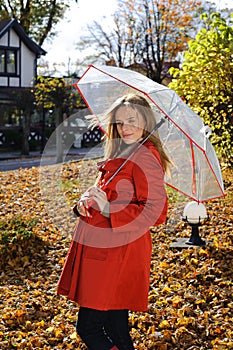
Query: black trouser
column 102, row 330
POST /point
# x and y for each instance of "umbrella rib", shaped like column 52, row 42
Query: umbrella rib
column 192, row 197
column 194, row 184
column 220, row 186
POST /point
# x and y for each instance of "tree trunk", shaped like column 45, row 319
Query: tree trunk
column 26, row 132
column 59, row 143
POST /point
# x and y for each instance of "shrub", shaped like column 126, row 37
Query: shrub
column 18, row 241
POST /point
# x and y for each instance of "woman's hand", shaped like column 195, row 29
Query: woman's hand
column 99, row 196
column 93, row 194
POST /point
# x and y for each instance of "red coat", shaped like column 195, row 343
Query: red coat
column 108, row 263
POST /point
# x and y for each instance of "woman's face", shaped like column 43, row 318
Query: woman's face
column 130, row 124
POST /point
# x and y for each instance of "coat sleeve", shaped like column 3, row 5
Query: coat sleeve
column 148, row 204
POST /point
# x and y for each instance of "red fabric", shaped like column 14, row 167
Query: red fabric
column 108, row 263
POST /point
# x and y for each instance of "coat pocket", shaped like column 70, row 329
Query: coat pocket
column 95, row 253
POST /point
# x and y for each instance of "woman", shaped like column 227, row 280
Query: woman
column 107, row 270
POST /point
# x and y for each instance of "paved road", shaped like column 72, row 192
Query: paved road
column 11, row 162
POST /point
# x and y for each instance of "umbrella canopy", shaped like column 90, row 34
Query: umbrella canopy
column 195, row 171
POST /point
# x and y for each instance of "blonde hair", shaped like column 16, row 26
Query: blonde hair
column 113, row 142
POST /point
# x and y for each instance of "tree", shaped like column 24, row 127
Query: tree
column 211, row 6
column 56, row 94
column 166, row 27
column 37, row 17
column 109, row 44
column 206, row 79
column 148, row 32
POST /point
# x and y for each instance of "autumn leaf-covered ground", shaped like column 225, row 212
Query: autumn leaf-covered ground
column 191, row 294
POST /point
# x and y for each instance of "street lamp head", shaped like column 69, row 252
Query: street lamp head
column 194, row 213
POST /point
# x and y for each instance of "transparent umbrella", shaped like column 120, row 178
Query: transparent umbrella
column 195, row 172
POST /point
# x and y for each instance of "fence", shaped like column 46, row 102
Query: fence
column 12, row 137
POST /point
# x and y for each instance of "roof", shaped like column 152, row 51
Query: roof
column 7, row 24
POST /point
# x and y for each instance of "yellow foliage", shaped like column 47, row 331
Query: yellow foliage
column 190, row 303
column 164, row 324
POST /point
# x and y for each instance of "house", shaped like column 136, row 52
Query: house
column 18, row 71
column 165, row 75
column 18, row 59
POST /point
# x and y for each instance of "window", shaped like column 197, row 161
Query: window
column 2, row 61
column 7, row 61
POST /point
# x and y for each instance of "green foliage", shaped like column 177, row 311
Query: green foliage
column 16, row 229
column 38, row 17
column 206, row 81
column 17, row 240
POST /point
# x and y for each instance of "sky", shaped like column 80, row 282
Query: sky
column 63, row 48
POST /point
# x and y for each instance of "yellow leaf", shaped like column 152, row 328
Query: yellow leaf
column 203, row 252
column 200, row 301
column 19, row 313
column 161, row 302
column 50, row 329
column 133, row 330
column 73, row 335
column 40, row 324
column 166, row 290
column 176, row 300
column 194, row 261
column 37, row 292
column 164, row 265
column 58, row 332
column 185, row 321
column 164, row 324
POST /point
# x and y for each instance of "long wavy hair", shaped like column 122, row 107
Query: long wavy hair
column 114, row 144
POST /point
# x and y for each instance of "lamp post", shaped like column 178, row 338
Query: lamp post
column 194, row 214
